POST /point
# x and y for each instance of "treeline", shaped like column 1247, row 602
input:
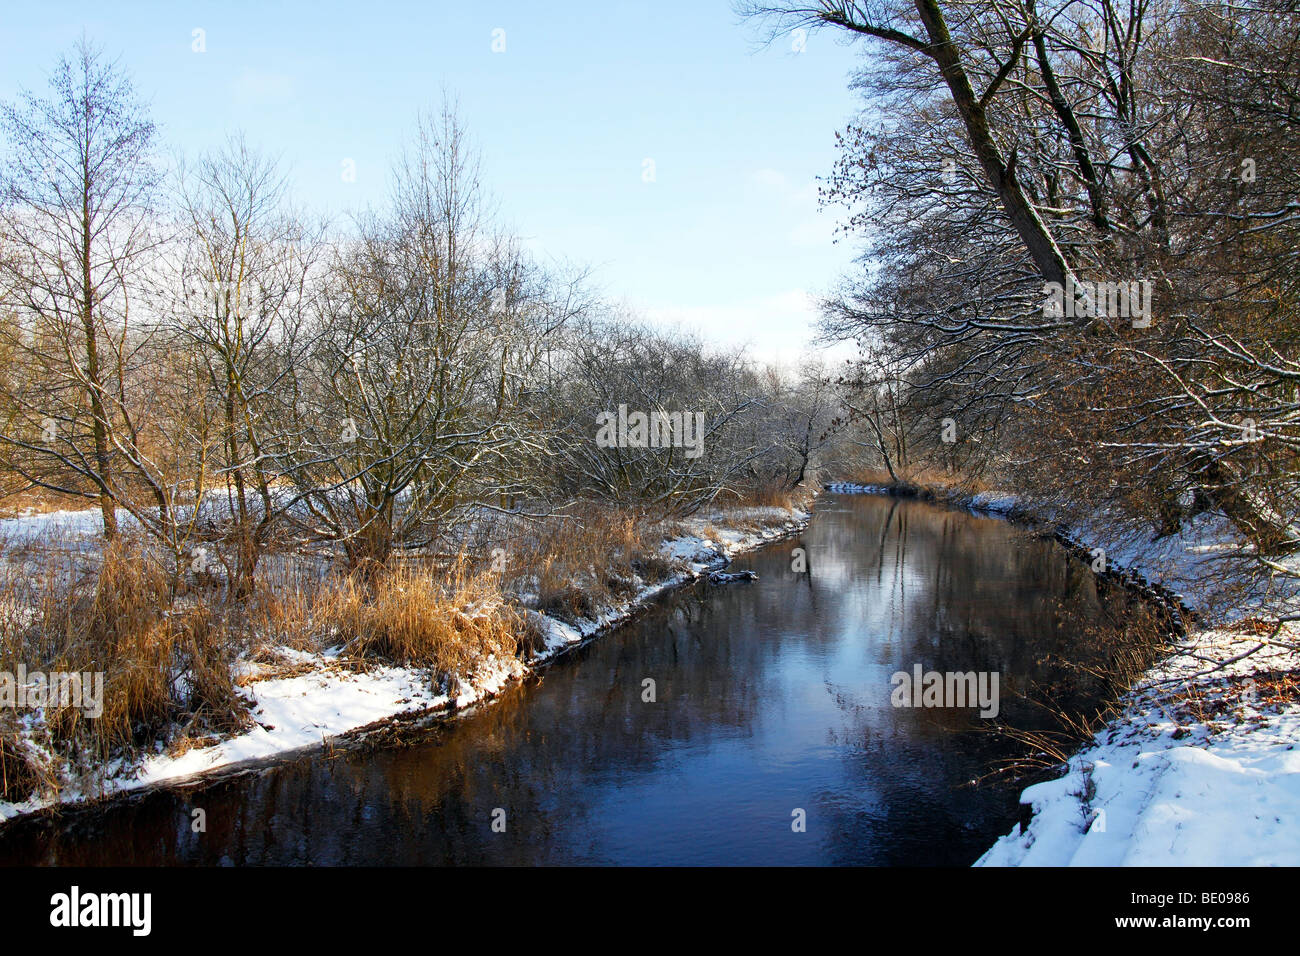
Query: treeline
column 1020, row 168
column 187, row 348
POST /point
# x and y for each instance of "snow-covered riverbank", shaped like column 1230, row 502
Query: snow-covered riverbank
column 1202, row 768
column 302, row 700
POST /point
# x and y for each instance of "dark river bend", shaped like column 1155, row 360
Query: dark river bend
column 771, row 697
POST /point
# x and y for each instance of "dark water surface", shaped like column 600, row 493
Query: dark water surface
column 772, row 696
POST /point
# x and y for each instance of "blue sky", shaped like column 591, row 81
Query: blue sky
column 727, row 238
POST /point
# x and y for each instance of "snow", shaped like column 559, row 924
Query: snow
column 849, row 488
column 695, row 551
column 729, row 577
column 290, row 714
column 994, row 504
column 1202, row 767
column 1159, row 789
column 65, row 527
column 296, row 712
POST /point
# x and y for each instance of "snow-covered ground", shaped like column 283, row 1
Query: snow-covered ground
column 321, row 697
column 321, row 701
column 82, row 527
column 1202, row 768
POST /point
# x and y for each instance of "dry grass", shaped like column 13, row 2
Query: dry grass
column 1225, row 701
column 766, row 495
column 869, row 476
column 40, row 501
column 444, row 618
column 1107, row 662
column 773, row 495
column 22, row 772
column 163, row 663
column 598, row 555
column 589, row 559
column 166, row 650
column 284, row 607
column 921, row 477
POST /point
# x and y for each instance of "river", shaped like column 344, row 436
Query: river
column 771, row 737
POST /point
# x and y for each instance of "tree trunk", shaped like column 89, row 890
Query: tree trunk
column 1033, row 232
column 99, row 420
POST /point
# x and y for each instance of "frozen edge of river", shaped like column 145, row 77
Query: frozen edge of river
column 332, row 702
column 1162, row 785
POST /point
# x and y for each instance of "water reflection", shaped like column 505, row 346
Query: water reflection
column 772, row 696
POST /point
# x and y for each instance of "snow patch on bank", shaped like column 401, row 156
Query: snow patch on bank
column 290, row 714
column 1161, row 787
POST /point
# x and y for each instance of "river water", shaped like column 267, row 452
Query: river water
column 771, row 738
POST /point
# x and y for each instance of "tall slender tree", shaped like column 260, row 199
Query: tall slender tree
column 75, row 192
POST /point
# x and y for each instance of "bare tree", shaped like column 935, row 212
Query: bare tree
column 433, row 327
column 240, row 300
column 792, row 423
column 74, row 207
column 696, row 405
column 1115, row 123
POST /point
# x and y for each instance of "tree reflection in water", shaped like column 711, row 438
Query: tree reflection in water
column 771, row 696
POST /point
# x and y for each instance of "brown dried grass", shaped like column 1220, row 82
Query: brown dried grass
column 162, row 662
column 590, row 558
column 445, row 618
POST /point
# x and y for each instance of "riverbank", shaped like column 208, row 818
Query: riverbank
column 301, row 700
column 1202, row 766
